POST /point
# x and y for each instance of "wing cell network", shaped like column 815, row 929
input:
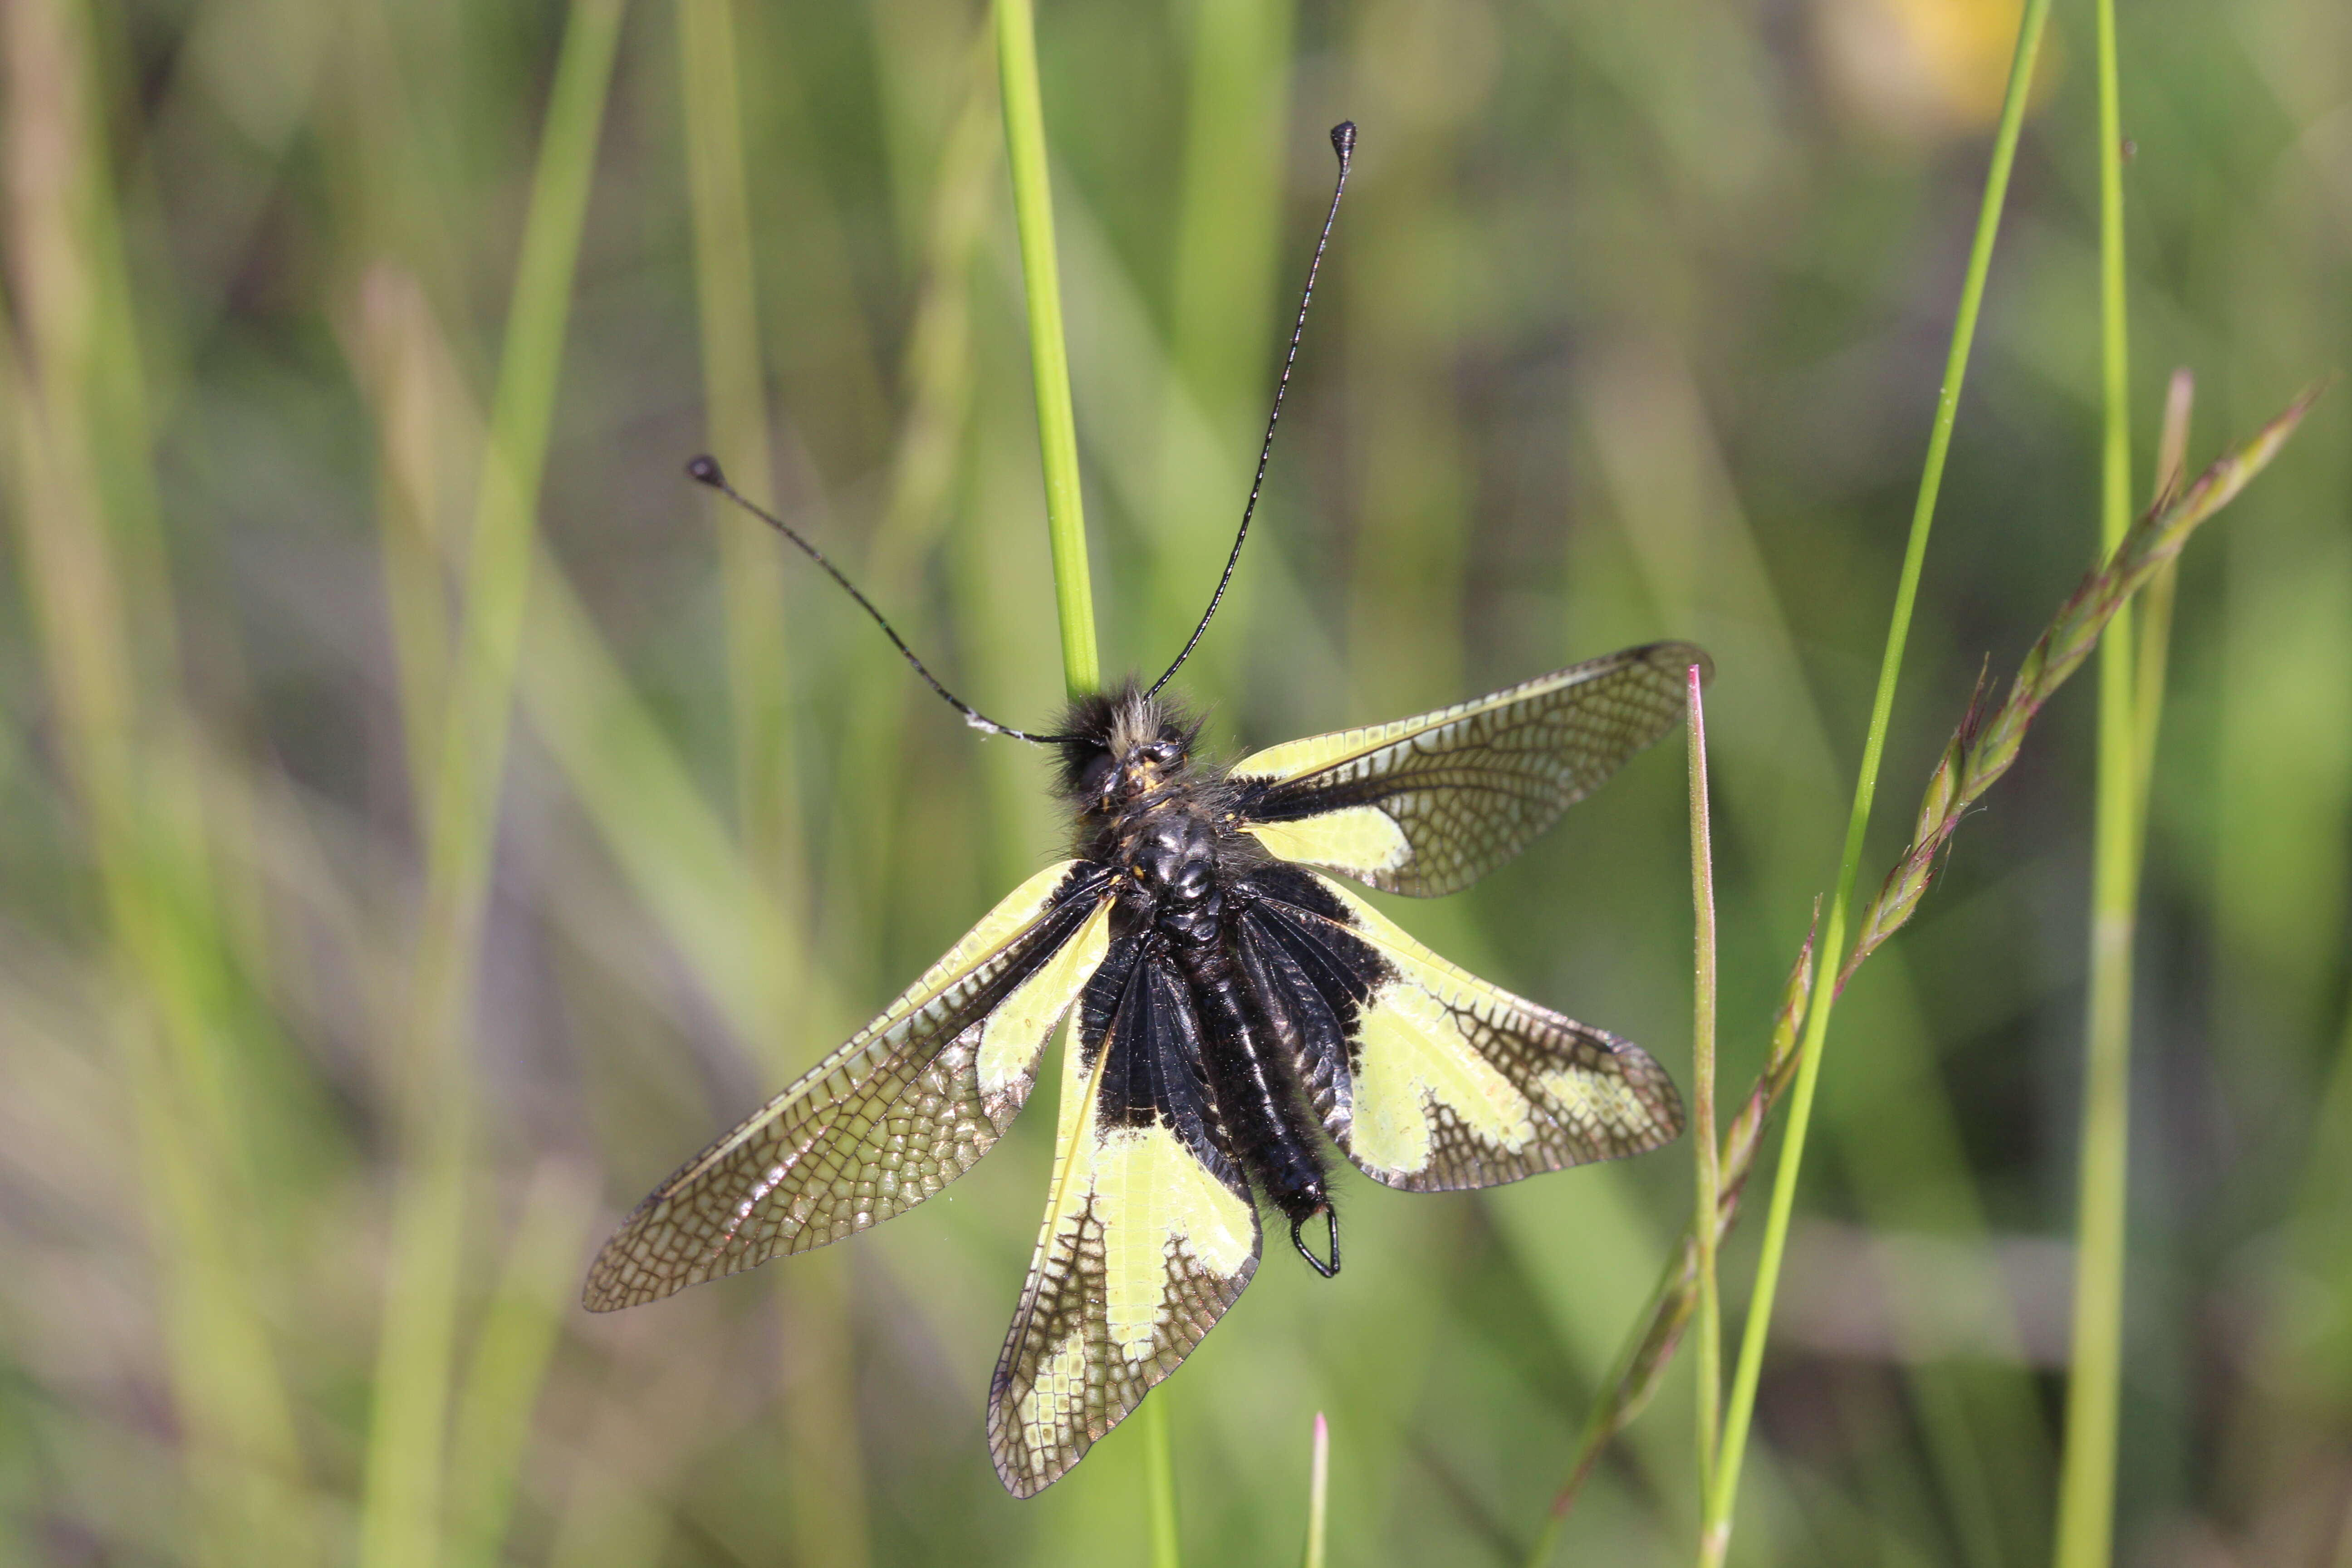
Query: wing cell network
column 1448, row 1082
column 1150, row 1232
column 907, row 1105
column 1427, row 806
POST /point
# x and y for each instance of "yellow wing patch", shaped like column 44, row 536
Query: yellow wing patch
column 894, row 1115
column 1142, row 1248
column 1460, row 1084
column 1158, row 1205
column 1358, row 841
column 1428, row 804
column 1016, row 1032
column 1415, row 1059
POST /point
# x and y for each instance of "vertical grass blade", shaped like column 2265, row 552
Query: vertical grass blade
column 1319, row 1488
column 1159, row 1482
column 1742, row 1405
column 401, row 1510
column 2154, row 641
column 73, row 375
column 490, row 1429
column 1057, row 438
column 1049, row 362
column 2086, row 1479
column 1710, row 1169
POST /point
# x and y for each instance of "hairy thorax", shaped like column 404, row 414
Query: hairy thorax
column 1146, row 807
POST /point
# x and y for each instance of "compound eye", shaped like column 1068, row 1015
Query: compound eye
column 1163, row 753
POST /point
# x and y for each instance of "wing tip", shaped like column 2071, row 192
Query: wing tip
column 609, row 1288
column 1676, row 656
column 1024, row 1471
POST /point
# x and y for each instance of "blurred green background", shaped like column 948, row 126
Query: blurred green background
column 424, row 819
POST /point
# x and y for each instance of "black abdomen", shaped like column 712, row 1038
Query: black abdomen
column 1272, row 1132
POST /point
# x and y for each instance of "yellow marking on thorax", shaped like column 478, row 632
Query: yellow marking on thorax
column 1356, row 838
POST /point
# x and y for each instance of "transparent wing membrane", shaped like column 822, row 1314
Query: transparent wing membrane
column 1150, row 1233
column 1445, row 1081
column 907, row 1105
column 1427, row 806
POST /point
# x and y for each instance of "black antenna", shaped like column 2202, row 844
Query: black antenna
column 705, row 470
column 1343, row 143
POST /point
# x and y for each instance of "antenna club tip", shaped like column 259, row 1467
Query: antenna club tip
column 704, row 470
column 1343, row 138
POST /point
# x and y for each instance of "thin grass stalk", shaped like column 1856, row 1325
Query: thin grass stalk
column 521, row 1322
column 1319, row 1488
column 1049, row 360
column 2086, row 1481
column 1642, row 1363
column 1902, row 1157
column 1985, row 743
column 2155, row 640
column 1057, row 438
column 1709, row 1157
column 1984, row 747
column 1159, row 1484
column 401, row 1517
column 1742, row 1407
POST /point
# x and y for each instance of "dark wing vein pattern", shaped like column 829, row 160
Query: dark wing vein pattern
column 907, row 1105
column 1427, row 806
column 1150, row 1233
column 1447, row 1082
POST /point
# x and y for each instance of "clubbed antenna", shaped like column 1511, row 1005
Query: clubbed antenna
column 1343, row 143
column 705, row 470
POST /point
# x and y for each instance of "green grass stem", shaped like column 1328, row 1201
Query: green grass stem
column 1159, row 1482
column 1049, row 363
column 535, row 1288
column 1984, row 748
column 401, row 1510
column 1319, row 1490
column 2154, row 641
column 2086, row 1479
column 1742, row 1407
column 1703, row 1136
column 1057, row 438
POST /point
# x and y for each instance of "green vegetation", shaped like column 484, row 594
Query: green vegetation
column 426, row 816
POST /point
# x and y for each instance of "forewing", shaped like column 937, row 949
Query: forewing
column 1429, row 804
column 1150, row 1232
column 1448, row 1082
column 902, row 1110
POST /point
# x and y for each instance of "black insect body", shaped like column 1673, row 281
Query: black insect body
column 1236, row 1010
column 1185, row 872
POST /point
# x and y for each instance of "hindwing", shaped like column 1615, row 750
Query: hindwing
column 1150, row 1231
column 1428, row 1077
column 1429, row 804
column 907, row 1105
